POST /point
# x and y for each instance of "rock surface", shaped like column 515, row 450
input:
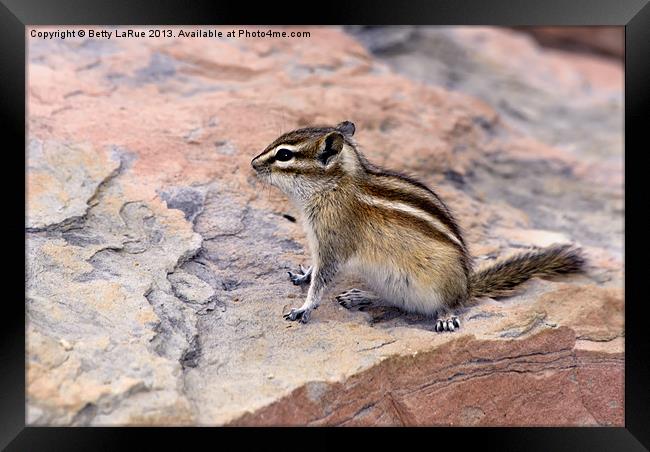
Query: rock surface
column 608, row 41
column 156, row 262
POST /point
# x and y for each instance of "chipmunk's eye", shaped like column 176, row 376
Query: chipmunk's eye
column 284, row 155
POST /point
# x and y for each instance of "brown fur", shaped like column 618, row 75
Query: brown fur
column 390, row 225
column 501, row 278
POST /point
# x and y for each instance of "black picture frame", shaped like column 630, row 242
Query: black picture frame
column 634, row 15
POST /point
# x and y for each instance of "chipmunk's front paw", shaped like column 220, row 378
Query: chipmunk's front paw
column 302, row 315
column 301, row 278
column 451, row 324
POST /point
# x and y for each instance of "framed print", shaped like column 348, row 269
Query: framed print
column 417, row 222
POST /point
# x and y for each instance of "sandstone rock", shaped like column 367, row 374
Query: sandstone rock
column 156, row 262
column 62, row 180
column 606, row 40
column 558, row 102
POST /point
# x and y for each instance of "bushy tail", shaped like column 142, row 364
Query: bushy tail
column 501, row 278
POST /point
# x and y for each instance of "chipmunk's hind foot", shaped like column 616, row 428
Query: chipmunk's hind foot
column 304, row 277
column 450, row 324
column 355, row 298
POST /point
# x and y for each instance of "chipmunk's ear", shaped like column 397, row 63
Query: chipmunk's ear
column 330, row 147
column 346, row 128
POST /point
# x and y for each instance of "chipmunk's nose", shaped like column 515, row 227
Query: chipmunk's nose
column 255, row 164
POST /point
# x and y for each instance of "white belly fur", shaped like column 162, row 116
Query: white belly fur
column 397, row 288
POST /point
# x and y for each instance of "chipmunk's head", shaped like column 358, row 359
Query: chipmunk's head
column 306, row 161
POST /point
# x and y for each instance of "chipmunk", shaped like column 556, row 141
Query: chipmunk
column 393, row 230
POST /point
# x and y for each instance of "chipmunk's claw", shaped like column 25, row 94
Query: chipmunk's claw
column 301, row 278
column 302, row 315
column 354, row 298
column 451, row 324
